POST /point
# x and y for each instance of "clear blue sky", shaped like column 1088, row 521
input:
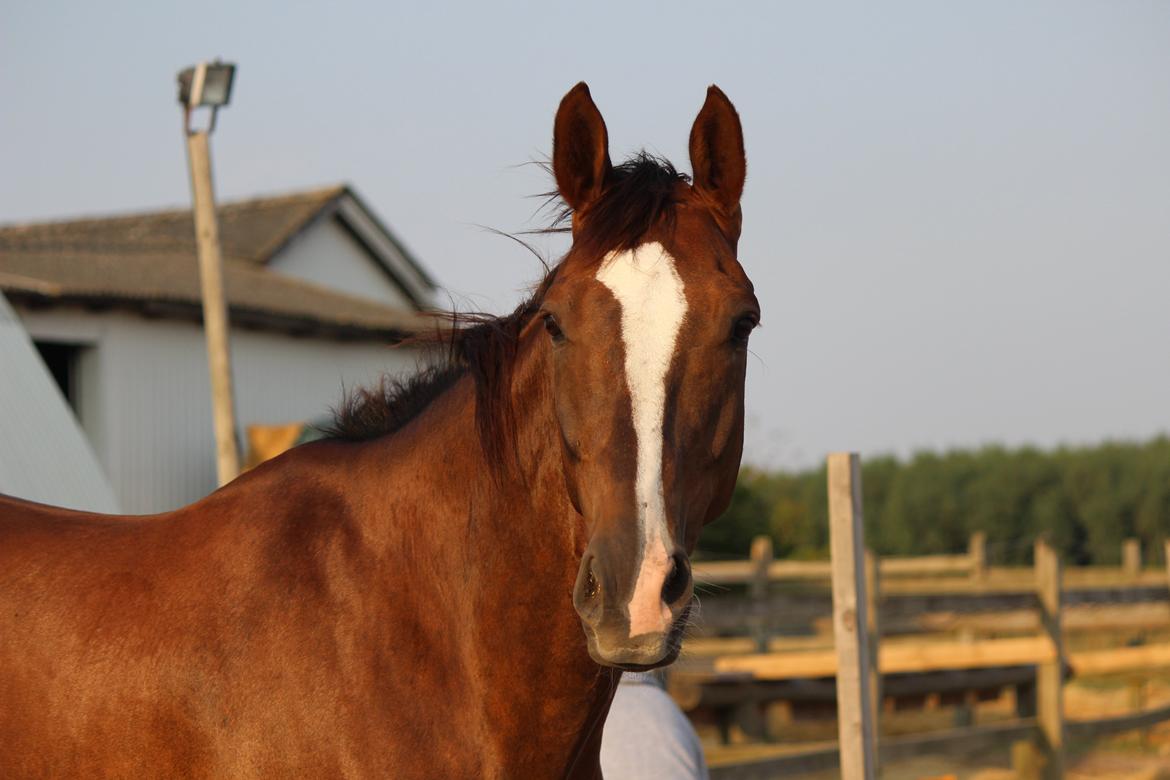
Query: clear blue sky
column 957, row 214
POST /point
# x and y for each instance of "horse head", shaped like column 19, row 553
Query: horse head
column 647, row 319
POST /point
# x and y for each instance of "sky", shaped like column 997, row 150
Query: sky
column 957, row 215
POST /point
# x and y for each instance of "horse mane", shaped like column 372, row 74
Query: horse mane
column 638, row 195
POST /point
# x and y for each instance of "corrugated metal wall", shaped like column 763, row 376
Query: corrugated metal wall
column 144, row 393
column 44, row 456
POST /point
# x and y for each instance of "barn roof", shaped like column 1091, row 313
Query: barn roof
column 147, row 262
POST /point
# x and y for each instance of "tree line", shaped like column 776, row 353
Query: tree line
column 1085, row 499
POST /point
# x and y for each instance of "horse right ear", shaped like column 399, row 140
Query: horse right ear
column 717, row 155
column 580, row 149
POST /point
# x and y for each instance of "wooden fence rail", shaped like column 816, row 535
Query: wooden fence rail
column 746, row 572
column 942, row 656
column 973, row 738
column 972, row 566
column 897, row 659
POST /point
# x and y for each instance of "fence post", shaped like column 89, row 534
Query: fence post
column 873, row 598
column 1166, row 554
column 761, row 556
column 855, row 727
column 1026, row 761
column 977, row 551
column 1131, row 558
column 1050, row 676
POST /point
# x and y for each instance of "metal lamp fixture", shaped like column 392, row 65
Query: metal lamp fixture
column 206, row 85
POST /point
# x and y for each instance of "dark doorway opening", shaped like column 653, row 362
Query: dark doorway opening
column 61, row 360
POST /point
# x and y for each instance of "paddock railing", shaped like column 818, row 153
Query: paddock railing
column 958, row 594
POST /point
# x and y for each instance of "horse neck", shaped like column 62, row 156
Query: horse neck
column 547, row 537
column 518, row 548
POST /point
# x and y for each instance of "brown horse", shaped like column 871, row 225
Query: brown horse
column 407, row 598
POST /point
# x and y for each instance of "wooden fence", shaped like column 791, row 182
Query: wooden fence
column 1038, row 661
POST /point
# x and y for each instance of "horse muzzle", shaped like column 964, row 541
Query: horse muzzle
column 633, row 622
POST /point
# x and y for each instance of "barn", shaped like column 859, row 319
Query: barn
column 319, row 291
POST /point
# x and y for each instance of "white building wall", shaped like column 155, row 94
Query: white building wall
column 44, row 455
column 329, row 255
column 144, row 393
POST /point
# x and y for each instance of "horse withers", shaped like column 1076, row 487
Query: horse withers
column 450, row 583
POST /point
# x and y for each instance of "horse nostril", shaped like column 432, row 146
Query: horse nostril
column 592, row 587
column 677, row 579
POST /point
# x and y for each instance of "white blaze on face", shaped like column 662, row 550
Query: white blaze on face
column 650, row 292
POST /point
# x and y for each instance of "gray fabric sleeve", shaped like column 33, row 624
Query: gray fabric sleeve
column 647, row 737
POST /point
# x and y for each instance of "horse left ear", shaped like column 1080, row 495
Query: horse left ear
column 717, row 155
column 580, row 149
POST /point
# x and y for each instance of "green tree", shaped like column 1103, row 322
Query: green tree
column 1085, row 499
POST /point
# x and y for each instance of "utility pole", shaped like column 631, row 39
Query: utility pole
column 210, row 85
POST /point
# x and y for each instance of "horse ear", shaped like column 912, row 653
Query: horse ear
column 717, row 155
column 580, row 149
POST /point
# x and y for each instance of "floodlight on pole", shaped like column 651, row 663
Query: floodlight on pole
column 209, row 85
column 206, row 85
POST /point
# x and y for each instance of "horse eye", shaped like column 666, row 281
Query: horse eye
column 743, row 329
column 554, row 330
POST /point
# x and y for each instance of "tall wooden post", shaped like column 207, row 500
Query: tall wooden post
column 977, row 551
column 761, row 556
column 215, row 322
column 1050, row 675
column 855, row 727
column 873, row 598
column 1131, row 558
column 1166, row 554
